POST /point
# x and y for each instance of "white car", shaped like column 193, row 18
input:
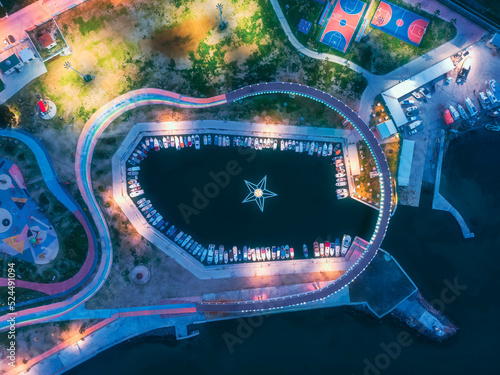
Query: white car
column 413, row 118
column 425, row 92
column 411, row 132
column 411, row 109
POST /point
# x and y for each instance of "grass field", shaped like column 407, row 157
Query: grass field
column 381, row 53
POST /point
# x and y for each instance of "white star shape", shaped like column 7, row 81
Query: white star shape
column 258, row 193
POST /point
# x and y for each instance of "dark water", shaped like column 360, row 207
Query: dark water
column 305, row 209
column 428, row 244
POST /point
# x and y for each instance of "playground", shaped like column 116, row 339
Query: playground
column 341, row 23
column 400, row 23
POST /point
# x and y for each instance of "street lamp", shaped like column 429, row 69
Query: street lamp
column 223, row 24
column 86, row 77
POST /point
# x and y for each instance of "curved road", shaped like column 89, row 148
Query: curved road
column 108, row 113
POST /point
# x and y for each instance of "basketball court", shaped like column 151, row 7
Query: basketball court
column 399, row 23
column 343, row 20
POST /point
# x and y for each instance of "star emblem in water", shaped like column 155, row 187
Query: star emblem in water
column 258, row 193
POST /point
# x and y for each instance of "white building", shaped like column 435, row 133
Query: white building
column 405, row 162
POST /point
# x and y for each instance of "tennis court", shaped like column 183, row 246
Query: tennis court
column 400, row 23
column 343, row 21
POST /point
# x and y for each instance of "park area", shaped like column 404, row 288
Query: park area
column 175, row 46
column 377, row 51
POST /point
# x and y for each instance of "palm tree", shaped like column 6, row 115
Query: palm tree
column 418, row 6
column 453, row 21
column 437, row 12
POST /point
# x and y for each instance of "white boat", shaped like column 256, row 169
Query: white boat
column 226, row 256
column 205, row 141
column 257, row 253
column 268, row 253
column 275, row 145
column 330, row 149
column 343, row 183
column 337, row 247
column 203, row 256
column 301, row 147
column 346, row 242
column 209, row 140
column 454, row 112
column 471, row 107
column 136, row 193
column 493, row 98
column 282, row 145
column 245, row 253
column 177, row 143
column 197, row 142
column 462, row 112
column 166, row 142
column 219, row 142
column 210, row 254
column 221, row 253
column 311, row 149
column 216, row 256
column 254, row 257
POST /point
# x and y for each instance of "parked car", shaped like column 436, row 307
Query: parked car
column 411, row 109
column 413, row 118
column 411, row 132
column 448, row 78
column 416, row 95
column 407, row 102
column 6, row 42
column 425, row 92
column 11, row 39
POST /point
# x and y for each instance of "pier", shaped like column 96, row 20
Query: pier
column 439, row 202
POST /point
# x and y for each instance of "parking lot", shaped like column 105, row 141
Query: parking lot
column 484, row 68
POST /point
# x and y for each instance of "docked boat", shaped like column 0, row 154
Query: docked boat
column 275, row 145
column 337, row 247
column 330, row 149
column 320, row 150
column 287, row 251
column 454, row 112
column 322, row 249
column 221, row 253
column 327, row 249
column 209, row 139
column 186, row 240
column 226, row 256
column 232, row 253
column 316, row 147
column 181, row 142
column 189, row 244
column 205, row 142
column 292, row 253
column 301, row 147
column 278, row 252
column 189, row 142
column 141, row 201
column 203, row 255
column 338, row 175
column 273, row 253
column 210, row 254
column 192, row 247
column 283, row 253
column 136, row 193
column 219, row 141
column 224, row 144
column 183, row 237
column 216, row 140
column 282, row 145
column 268, row 253
column 325, row 150
column 342, row 183
column 316, row 249
column 305, row 251
column 197, row 249
column 197, row 142
column 346, row 242
column 471, row 107
column 290, row 145
column 462, row 112
column 257, row 253
column 156, row 144
column 177, row 143
column 245, row 253
column 311, row 149
column 297, row 146
column 254, row 255
column 240, row 256
column 131, row 169
column 171, row 230
column 263, row 254
column 147, row 142
column 216, row 256
column 492, row 97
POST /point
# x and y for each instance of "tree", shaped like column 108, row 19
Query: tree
column 7, row 117
column 418, row 6
column 3, row 12
column 453, row 21
column 437, row 12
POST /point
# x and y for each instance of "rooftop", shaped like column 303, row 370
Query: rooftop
column 9, row 63
column 46, row 40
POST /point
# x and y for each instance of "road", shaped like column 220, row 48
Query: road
column 32, row 15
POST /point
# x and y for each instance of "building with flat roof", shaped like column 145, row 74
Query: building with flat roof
column 26, row 54
column 405, row 162
column 495, row 40
column 392, row 95
column 10, row 64
column 386, row 129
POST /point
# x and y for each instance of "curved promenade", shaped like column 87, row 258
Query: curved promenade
column 108, row 113
column 62, row 195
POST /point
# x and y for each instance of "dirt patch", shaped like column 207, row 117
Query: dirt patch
column 181, row 39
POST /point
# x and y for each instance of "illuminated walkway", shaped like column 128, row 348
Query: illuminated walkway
column 108, row 113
